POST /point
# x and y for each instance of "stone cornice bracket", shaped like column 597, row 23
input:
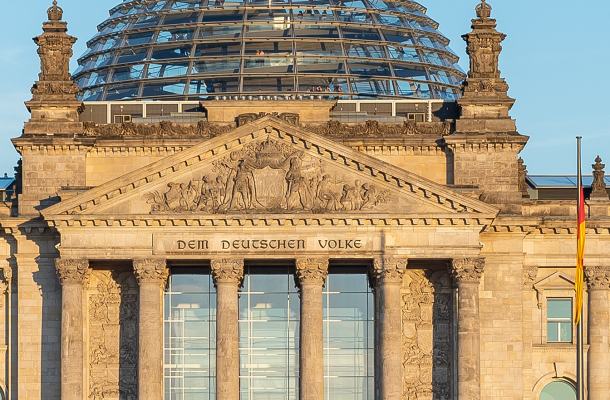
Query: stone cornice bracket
column 466, row 270
column 529, row 276
column 311, row 271
column 388, row 270
column 151, row 271
column 598, row 278
column 228, row 270
column 72, row 271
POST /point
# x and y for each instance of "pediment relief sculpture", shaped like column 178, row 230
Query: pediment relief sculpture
column 269, row 176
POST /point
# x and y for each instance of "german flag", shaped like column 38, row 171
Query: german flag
column 580, row 255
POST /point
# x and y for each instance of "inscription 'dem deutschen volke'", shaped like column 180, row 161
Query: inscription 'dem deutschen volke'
column 270, row 244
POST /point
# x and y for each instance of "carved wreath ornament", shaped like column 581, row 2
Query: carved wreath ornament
column 268, row 176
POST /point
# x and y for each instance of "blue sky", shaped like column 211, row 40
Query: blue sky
column 551, row 60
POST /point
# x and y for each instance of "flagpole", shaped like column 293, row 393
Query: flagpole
column 580, row 377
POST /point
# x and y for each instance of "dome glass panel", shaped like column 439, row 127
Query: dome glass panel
column 201, row 49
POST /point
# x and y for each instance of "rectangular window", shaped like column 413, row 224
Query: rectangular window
column 190, row 335
column 559, row 320
column 348, row 335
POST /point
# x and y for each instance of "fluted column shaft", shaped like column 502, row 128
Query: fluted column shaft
column 598, row 279
column 151, row 275
column 228, row 277
column 72, row 274
column 467, row 274
column 310, row 277
column 387, row 278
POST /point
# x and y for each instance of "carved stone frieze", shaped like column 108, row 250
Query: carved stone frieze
column 373, row 127
column 486, row 85
column 72, row 271
column 113, row 336
column 426, row 338
column 228, row 270
column 599, row 184
column 467, row 270
column 164, row 128
column 388, row 270
column 529, row 276
column 598, row 277
column 268, row 176
column 311, row 270
column 151, row 271
column 291, row 118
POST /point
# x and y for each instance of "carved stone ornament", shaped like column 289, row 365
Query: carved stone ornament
column 483, row 10
column 291, row 118
column 388, row 270
column 228, row 270
column 522, row 175
column 311, row 270
column 151, row 271
column 426, row 337
column 72, row 271
column 113, row 336
column 268, row 176
column 203, row 129
column 373, row 127
column 598, row 277
column 467, row 270
column 599, row 185
column 529, row 276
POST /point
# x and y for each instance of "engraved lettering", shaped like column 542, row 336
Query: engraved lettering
column 332, row 244
column 254, row 244
column 357, row 244
column 291, row 244
column 301, row 242
column 226, row 244
column 236, row 244
column 348, row 244
column 246, row 245
column 181, row 244
column 263, row 244
column 202, row 245
column 192, row 244
column 281, row 243
column 322, row 245
column 271, row 244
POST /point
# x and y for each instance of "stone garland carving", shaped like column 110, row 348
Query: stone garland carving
column 164, row 128
column 467, row 270
column 598, row 277
column 599, row 185
column 151, row 271
column 228, row 270
column 529, row 276
column 426, row 337
column 486, row 85
column 291, row 118
column 268, row 176
column 72, row 271
column 372, row 127
column 113, row 337
column 311, row 270
column 388, row 270
column 522, row 170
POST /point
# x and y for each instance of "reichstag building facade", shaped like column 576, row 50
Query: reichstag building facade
column 289, row 200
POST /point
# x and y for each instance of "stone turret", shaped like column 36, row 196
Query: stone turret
column 486, row 143
column 54, row 107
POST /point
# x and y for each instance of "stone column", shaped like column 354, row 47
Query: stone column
column 387, row 277
column 228, row 277
column 529, row 277
column 598, row 279
column 72, row 274
column 151, row 275
column 467, row 273
column 310, row 277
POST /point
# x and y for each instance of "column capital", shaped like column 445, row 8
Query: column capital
column 72, row 271
column 598, row 277
column 466, row 270
column 228, row 270
column 388, row 270
column 311, row 270
column 529, row 276
column 151, row 270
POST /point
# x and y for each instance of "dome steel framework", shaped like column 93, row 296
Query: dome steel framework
column 201, row 49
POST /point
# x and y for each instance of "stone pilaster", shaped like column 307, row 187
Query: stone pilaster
column 228, row 277
column 598, row 279
column 310, row 277
column 387, row 278
column 467, row 273
column 72, row 274
column 151, row 275
column 529, row 277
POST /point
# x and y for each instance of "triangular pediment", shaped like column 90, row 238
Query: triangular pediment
column 270, row 167
column 557, row 280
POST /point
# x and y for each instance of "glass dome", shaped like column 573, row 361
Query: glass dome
column 201, row 49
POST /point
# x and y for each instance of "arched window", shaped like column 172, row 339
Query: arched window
column 558, row 390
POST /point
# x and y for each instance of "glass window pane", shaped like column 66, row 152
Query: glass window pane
column 365, row 50
column 269, row 30
column 181, row 18
column 165, row 70
column 558, row 390
column 552, row 330
column 319, row 49
column 218, row 49
column 322, row 31
column 372, row 86
column 277, row 15
column 216, row 66
column 175, row 35
column 138, row 38
column 168, row 52
column 361, row 34
column 127, row 73
column 565, row 331
column 269, row 65
column 223, row 16
column 364, row 68
column 215, row 85
column 132, row 55
column 268, row 84
column 219, row 32
column 320, row 66
column 559, row 308
column 119, row 92
column 268, row 48
column 164, row 89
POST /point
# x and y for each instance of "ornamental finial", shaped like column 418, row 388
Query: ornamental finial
column 55, row 12
column 483, row 10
